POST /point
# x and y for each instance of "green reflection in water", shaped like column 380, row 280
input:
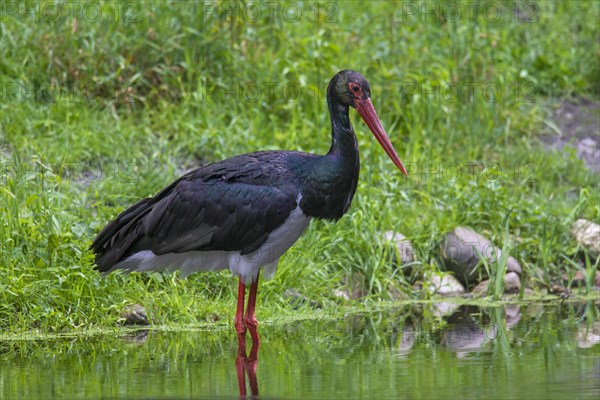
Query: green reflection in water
column 427, row 351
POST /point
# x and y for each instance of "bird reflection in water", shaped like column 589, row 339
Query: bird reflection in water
column 247, row 365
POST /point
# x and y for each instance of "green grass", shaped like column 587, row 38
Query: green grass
column 174, row 86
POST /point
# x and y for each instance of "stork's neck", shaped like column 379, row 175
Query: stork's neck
column 329, row 184
column 343, row 139
column 329, row 191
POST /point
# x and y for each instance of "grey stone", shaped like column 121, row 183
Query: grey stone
column 403, row 246
column 443, row 308
column 481, row 289
column 341, row 294
column 576, row 126
column 579, row 279
column 587, row 233
column 512, row 283
column 460, row 251
column 135, row 315
column 446, row 285
column 512, row 265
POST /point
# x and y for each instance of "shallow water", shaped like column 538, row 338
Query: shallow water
column 428, row 351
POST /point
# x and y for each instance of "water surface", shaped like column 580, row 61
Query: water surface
column 427, row 351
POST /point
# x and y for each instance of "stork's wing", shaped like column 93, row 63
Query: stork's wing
column 196, row 213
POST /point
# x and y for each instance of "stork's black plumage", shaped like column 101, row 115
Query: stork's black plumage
column 230, row 205
column 244, row 212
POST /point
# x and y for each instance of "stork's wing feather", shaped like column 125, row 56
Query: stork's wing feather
column 208, row 209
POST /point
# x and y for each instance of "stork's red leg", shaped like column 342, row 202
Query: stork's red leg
column 240, row 325
column 251, row 321
column 245, row 364
column 252, row 324
column 240, row 329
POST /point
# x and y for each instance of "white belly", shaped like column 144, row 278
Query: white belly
column 247, row 266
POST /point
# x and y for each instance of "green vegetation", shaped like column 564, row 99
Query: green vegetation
column 99, row 112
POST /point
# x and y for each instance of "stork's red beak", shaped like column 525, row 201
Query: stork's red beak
column 369, row 115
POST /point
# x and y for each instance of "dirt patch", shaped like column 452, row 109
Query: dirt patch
column 576, row 125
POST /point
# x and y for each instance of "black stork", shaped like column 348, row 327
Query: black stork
column 244, row 212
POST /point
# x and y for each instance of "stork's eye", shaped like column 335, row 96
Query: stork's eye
column 355, row 88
